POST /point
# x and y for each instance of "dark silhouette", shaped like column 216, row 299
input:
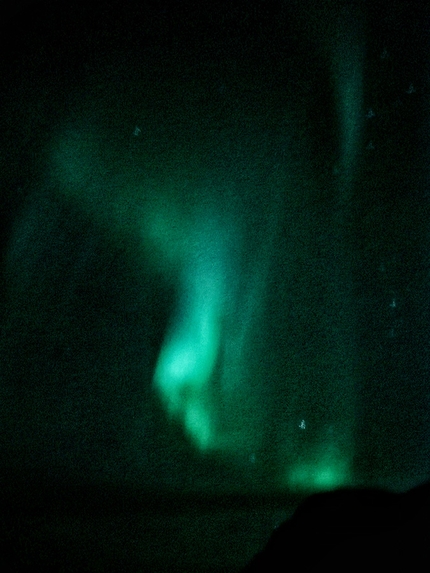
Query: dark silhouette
column 351, row 529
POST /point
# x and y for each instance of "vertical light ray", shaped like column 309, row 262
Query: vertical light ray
column 325, row 461
column 187, row 359
column 347, row 68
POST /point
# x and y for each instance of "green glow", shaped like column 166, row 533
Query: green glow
column 309, row 476
column 328, row 470
column 187, row 360
column 199, row 426
column 215, row 244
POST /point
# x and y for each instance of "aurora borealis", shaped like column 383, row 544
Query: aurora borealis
column 214, row 257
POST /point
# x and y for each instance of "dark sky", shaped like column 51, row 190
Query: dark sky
column 214, row 243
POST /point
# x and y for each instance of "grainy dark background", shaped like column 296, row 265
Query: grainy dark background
column 88, row 459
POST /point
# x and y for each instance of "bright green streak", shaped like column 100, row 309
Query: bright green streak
column 188, row 357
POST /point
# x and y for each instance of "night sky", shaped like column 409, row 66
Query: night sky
column 214, row 244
